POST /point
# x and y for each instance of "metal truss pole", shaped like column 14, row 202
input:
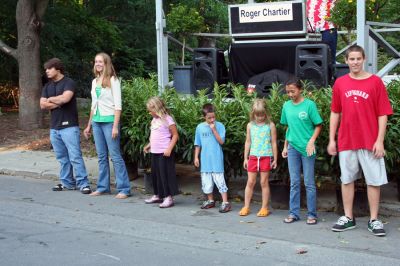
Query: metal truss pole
column 162, row 47
column 363, row 32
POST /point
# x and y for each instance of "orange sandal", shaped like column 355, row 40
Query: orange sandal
column 244, row 211
column 263, row 212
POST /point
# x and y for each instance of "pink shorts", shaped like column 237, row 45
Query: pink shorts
column 259, row 164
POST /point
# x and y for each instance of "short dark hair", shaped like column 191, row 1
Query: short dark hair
column 296, row 82
column 207, row 108
column 355, row 48
column 56, row 63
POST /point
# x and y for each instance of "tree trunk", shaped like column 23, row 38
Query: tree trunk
column 183, row 52
column 28, row 16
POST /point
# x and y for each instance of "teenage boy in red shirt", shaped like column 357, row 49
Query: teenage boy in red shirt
column 361, row 104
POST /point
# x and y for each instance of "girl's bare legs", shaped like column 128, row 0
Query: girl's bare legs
column 265, row 192
column 248, row 192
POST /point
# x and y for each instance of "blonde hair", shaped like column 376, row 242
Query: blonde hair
column 260, row 108
column 157, row 105
column 108, row 70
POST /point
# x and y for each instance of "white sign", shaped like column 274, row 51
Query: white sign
column 266, row 12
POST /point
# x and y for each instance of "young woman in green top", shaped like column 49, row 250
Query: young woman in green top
column 105, row 118
column 303, row 127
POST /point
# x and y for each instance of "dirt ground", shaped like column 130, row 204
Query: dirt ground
column 11, row 137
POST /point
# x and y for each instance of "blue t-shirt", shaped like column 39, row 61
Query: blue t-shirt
column 211, row 154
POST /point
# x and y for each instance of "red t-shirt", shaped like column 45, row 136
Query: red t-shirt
column 360, row 102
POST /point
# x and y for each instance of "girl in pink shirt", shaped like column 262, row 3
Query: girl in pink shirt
column 163, row 138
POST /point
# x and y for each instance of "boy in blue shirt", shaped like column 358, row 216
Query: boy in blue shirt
column 209, row 137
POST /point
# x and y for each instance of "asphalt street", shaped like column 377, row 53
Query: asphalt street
column 42, row 227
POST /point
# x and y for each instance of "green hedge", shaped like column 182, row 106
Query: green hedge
column 233, row 113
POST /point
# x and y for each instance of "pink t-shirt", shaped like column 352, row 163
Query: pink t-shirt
column 360, row 102
column 160, row 135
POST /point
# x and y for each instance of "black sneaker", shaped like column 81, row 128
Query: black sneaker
column 86, row 190
column 208, row 204
column 225, row 207
column 376, row 227
column 61, row 187
column 344, row 223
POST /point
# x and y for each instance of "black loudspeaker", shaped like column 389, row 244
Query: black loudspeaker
column 313, row 64
column 208, row 67
column 340, row 70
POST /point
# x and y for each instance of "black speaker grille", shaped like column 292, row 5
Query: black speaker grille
column 313, row 63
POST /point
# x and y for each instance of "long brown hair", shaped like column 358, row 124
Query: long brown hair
column 108, row 70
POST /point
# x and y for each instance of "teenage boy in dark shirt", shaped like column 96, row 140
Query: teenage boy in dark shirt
column 58, row 96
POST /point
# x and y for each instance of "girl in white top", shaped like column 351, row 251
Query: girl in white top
column 105, row 118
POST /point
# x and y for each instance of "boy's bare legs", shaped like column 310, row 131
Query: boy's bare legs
column 265, row 192
column 348, row 198
column 374, row 193
column 210, row 197
column 248, row 192
column 224, row 196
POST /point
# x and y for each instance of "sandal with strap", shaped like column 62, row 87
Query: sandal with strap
column 311, row 221
column 244, row 211
column 290, row 219
column 263, row 212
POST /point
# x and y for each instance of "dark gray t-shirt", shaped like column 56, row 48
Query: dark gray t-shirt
column 67, row 114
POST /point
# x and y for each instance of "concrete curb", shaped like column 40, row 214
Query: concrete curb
column 43, row 165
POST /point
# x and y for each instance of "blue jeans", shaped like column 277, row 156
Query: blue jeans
column 330, row 38
column 297, row 161
column 66, row 145
column 102, row 133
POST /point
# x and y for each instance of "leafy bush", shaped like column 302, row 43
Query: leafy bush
column 135, row 129
column 392, row 139
column 233, row 113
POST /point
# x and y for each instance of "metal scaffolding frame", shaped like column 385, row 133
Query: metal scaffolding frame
column 367, row 37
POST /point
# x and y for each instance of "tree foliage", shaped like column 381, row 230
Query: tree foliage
column 8, row 33
column 74, row 36
column 76, row 30
column 183, row 20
